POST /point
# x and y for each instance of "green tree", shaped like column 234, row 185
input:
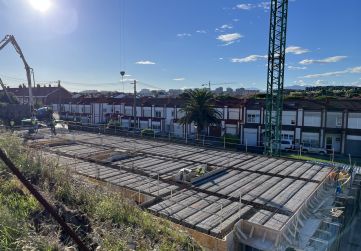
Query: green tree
column 199, row 108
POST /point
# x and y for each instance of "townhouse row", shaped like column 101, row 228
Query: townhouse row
column 334, row 124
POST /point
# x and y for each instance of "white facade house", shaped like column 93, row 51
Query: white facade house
column 334, row 129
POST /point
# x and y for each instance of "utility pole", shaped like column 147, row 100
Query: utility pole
column 135, row 103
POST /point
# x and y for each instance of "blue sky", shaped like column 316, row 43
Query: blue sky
column 178, row 43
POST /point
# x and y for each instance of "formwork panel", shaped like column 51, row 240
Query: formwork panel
column 228, row 182
column 281, row 167
column 261, row 217
column 291, row 168
column 255, row 193
column 250, row 186
column 286, row 194
column 228, row 223
column 269, row 166
column 218, row 217
column 310, row 173
column 267, row 196
column 235, row 187
column 194, row 208
column 206, row 212
column 321, row 174
column 300, row 170
column 214, row 180
column 177, row 206
column 277, row 221
column 298, row 199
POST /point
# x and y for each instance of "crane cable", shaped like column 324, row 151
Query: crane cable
column 121, row 49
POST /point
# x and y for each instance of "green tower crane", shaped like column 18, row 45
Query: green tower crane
column 275, row 77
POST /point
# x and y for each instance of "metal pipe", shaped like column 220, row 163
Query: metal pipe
column 42, row 201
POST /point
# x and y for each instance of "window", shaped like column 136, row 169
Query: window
column 172, row 114
column 334, row 119
column 128, row 111
column 104, row 109
column 287, row 136
column 252, row 118
column 157, row 114
column 311, row 139
column 312, row 119
column 156, row 127
column 339, row 121
column 83, row 109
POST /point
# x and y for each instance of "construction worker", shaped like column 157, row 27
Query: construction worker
column 338, row 187
column 350, row 172
column 52, row 127
column 12, row 124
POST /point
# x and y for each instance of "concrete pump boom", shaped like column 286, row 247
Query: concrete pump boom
column 11, row 39
column 5, row 91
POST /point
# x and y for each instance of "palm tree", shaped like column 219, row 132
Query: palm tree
column 199, row 109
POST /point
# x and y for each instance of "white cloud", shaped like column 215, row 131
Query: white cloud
column 224, row 27
column 326, row 74
column 145, row 62
column 127, row 75
column 220, row 58
column 184, row 35
column 264, row 5
column 201, row 31
column 249, row 6
column 245, row 6
column 178, row 79
column 297, row 67
column 296, row 50
column 250, row 58
column 229, row 38
column 235, row 20
column 353, row 70
column 328, row 60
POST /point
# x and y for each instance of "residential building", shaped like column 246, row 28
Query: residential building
column 334, row 125
column 42, row 95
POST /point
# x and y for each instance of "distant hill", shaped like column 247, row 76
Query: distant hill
column 297, row 87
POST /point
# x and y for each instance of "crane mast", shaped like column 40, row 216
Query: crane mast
column 11, row 39
column 275, row 77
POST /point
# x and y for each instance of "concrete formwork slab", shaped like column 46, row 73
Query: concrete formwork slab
column 270, row 187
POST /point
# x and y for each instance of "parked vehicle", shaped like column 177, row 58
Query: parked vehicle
column 287, row 145
column 308, row 148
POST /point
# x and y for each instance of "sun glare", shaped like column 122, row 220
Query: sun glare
column 40, row 5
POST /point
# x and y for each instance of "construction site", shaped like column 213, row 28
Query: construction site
column 225, row 200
